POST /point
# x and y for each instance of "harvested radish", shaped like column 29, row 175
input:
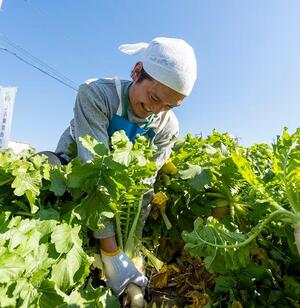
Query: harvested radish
column 136, row 296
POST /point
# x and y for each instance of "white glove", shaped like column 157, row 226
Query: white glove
column 120, row 271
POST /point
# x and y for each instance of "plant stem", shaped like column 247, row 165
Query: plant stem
column 6, row 181
column 211, row 194
column 254, row 235
column 166, row 220
column 152, row 258
column 297, row 238
column 129, row 246
column 119, row 231
column 24, row 214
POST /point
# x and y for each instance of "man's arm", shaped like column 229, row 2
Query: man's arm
column 91, row 117
column 165, row 139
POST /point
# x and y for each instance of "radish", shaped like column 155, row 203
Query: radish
column 135, row 296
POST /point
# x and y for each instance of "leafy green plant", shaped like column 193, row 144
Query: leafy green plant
column 285, row 206
column 46, row 210
column 243, row 202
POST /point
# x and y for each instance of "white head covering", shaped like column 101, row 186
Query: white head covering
column 170, row 61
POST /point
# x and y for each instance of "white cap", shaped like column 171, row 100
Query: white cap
column 170, row 61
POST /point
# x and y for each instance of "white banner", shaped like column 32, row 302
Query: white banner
column 7, row 100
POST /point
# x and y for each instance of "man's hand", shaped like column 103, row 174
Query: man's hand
column 120, row 271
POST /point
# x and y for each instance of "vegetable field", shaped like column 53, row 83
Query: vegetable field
column 224, row 229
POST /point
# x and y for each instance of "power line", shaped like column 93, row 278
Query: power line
column 37, row 60
column 38, row 68
column 34, row 61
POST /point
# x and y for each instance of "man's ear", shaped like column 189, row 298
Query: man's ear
column 135, row 74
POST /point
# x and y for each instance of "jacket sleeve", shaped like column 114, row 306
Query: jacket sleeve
column 90, row 118
column 165, row 140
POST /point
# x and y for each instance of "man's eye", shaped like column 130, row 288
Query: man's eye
column 153, row 98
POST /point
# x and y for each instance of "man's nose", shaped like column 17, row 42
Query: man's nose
column 156, row 107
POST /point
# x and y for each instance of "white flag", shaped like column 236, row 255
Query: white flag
column 7, row 100
column 1, row 3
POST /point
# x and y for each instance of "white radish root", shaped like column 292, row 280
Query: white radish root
column 136, row 296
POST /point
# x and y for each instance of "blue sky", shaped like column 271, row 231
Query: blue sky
column 248, row 60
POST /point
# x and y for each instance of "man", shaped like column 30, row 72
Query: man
column 160, row 82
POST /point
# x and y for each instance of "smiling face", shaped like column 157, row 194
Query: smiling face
column 150, row 96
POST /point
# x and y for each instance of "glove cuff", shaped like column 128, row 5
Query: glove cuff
column 110, row 254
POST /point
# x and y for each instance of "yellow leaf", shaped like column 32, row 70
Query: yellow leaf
column 173, row 267
column 236, row 304
column 199, row 299
column 160, row 199
column 160, row 280
column 169, row 168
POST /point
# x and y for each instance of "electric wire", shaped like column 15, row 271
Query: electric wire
column 38, row 68
column 37, row 60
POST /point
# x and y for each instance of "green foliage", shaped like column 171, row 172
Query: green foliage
column 244, row 203
column 235, row 207
column 35, row 250
column 216, row 259
column 45, row 211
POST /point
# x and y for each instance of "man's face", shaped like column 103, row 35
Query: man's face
column 150, row 96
